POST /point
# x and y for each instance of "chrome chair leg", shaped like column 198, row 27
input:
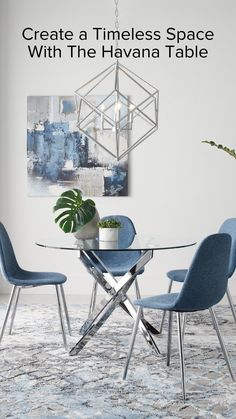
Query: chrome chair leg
column 223, row 347
column 65, row 309
column 231, row 303
column 8, row 311
column 184, row 320
column 14, row 310
column 138, row 293
column 181, row 354
column 169, row 338
column 134, row 333
column 137, row 289
column 60, row 316
column 164, row 312
column 93, row 297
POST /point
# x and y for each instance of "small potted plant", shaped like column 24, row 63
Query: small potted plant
column 76, row 215
column 109, row 229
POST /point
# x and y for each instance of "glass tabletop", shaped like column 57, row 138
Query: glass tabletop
column 137, row 242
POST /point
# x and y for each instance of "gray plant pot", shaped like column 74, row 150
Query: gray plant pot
column 90, row 230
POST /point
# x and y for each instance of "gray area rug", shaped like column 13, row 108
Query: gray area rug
column 39, row 379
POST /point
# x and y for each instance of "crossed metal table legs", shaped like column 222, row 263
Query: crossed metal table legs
column 116, row 296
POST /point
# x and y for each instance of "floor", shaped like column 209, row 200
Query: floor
column 39, row 379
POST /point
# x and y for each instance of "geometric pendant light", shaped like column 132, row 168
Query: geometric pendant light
column 117, row 109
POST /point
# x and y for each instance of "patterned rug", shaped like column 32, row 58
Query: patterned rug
column 39, row 379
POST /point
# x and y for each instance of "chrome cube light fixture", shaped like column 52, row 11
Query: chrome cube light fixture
column 123, row 115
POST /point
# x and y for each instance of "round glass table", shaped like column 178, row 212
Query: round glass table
column 138, row 242
column 91, row 253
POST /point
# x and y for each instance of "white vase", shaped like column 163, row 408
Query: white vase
column 89, row 230
column 108, row 234
column 104, row 245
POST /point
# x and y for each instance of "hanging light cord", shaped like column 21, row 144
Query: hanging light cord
column 117, row 21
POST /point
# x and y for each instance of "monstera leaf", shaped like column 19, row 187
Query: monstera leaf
column 74, row 211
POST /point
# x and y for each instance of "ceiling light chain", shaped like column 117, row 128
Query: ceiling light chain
column 117, row 20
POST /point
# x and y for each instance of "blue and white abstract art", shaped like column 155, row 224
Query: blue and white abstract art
column 59, row 157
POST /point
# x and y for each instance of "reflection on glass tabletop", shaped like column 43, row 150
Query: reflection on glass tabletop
column 138, row 242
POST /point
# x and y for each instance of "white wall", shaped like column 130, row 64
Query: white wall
column 177, row 185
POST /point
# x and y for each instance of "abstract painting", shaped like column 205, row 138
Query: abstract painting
column 59, row 157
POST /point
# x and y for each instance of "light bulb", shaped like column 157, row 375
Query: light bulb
column 117, row 107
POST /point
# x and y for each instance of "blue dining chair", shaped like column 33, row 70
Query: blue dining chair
column 117, row 262
column 204, row 286
column 20, row 278
column 178, row 275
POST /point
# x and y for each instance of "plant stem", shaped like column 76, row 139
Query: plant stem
column 229, row 151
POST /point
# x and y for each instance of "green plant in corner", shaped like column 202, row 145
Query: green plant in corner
column 75, row 212
column 229, row 151
column 109, row 223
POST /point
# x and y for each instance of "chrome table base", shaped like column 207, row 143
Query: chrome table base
column 116, row 296
column 87, row 323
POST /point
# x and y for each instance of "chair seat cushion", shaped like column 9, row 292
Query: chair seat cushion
column 28, row 278
column 177, row 275
column 160, row 302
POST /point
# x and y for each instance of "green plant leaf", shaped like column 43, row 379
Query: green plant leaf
column 60, row 204
column 61, row 215
column 90, row 202
column 67, row 225
column 76, row 212
column 72, row 193
column 85, row 213
column 229, row 151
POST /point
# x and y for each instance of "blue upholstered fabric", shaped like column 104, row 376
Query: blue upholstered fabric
column 25, row 278
column 13, row 273
column 228, row 227
column 119, row 262
column 206, row 280
column 177, row 275
column 159, row 302
column 9, row 263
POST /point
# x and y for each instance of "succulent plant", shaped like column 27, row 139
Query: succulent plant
column 109, row 223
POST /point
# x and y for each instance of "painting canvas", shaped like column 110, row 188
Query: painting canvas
column 59, row 157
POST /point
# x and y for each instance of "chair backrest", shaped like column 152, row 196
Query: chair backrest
column 207, row 278
column 127, row 230
column 8, row 262
column 229, row 227
column 126, row 236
